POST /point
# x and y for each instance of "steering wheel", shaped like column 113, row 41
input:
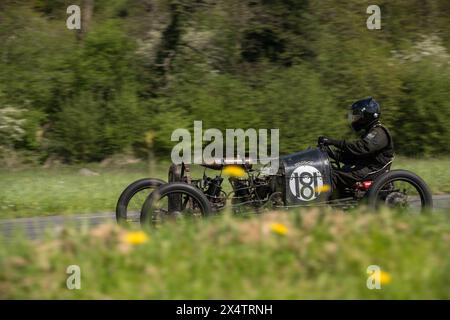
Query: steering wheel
column 334, row 164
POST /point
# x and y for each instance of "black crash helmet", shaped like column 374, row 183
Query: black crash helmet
column 364, row 113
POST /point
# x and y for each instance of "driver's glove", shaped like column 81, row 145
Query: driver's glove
column 327, row 141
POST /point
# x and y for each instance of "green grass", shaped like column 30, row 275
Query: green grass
column 435, row 172
column 62, row 190
column 325, row 254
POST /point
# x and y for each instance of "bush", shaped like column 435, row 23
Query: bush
column 425, row 105
column 89, row 129
column 296, row 102
column 77, row 133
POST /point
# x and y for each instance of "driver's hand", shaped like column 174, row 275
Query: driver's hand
column 324, row 141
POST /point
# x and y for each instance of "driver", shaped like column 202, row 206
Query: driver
column 371, row 153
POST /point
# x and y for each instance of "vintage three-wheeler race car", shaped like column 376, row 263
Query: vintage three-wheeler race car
column 302, row 180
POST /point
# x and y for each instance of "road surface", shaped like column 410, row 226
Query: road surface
column 37, row 227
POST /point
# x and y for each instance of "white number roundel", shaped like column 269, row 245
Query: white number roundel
column 306, row 183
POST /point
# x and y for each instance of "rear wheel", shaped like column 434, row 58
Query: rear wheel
column 401, row 190
column 130, row 201
column 173, row 201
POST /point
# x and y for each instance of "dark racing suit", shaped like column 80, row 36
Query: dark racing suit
column 368, row 154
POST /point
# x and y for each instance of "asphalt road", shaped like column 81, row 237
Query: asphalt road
column 37, row 227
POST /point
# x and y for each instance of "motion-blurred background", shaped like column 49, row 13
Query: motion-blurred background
column 138, row 69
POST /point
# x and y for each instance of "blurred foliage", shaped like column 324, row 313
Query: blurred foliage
column 303, row 254
column 157, row 65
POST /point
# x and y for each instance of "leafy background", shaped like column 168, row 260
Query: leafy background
column 140, row 69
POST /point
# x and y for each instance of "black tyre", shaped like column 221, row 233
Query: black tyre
column 132, row 198
column 400, row 189
column 159, row 205
column 174, row 176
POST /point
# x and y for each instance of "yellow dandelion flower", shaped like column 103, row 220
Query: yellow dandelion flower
column 279, row 228
column 136, row 237
column 324, row 188
column 385, row 277
column 234, row 171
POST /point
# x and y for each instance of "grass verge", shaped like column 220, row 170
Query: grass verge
column 297, row 255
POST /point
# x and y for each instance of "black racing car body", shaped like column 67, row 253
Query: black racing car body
column 306, row 176
column 303, row 179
